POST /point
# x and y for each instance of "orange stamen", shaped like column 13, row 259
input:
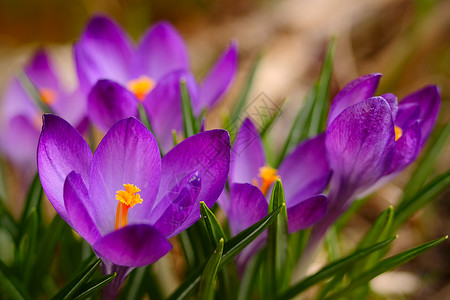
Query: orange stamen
column 141, row 86
column 398, row 133
column 127, row 198
column 48, row 96
column 268, row 176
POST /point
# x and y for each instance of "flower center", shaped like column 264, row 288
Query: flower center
column 398, row 133
column 141, row 86
column 48, row 96
column 127, row 198
column 268, row 176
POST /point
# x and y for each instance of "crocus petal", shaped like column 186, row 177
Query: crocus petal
column 209, row 154
column 391, row 99
column 247, row 206
column 103, row 51
column 162, row 51
column 428, row 99
column 305, row 172
column 16, row 101
column 163, row 106
column 360, row 143
column 307, row 212
column 109, row 102
column 61, row 150
column 18, row 141
column 72, row 107
column 219, row 78
column 128, row 154
column 40, row 71
column 76, row 201
column 406, row 149
column 359, row 89
column 176, row 206
column 133, row 246
column 247, row 155
column 407, row 115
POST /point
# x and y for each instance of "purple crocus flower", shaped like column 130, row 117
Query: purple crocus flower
column 124, row 199
column 21, row 115
column 304, row 173
column 371, row 139
column 120, row 76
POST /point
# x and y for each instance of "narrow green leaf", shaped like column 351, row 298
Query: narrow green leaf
column 423, row 197
column 133, row 289
column 10, row 285
column 300, row 128
column 144, row 118
column 269, row 123
column 386, row 265
column 215, row 231
column 231, row 249
column 249, row 277
column 27, row 246
column 94, row 286
column 46, row 248
column 333, row 268
column 71, row 289
column 228, row 277
column 332, row 243
column 207, row 281
column 33, row 199
column 379, row 229
column 426, row 165
column 240, row 104
column 7, row 222
column 320, row 104
column 33, row 92
column 277, row 241
column 189, row 122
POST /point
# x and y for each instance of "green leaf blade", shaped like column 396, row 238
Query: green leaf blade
column 207, row 281
column 333, row 268
column 230, row 249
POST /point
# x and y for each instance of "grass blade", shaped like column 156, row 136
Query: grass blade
column 423, row 197
column 300, row 128
column 70, row 290
column 207, row 281
column 333, row 269
column 277, row 241
column 94, row 286
column 33, row 92
column 231, row 249
column 189, row 122
column 426, row 165
column 215, row 231
column 386, row 265
column 10, row 285
column 240, row 104
column 320, row 104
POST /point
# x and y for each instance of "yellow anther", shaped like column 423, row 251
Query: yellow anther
column 48, row 96
column 268, row 176
column 127, row 198
column 398, row 132
column 141, row 86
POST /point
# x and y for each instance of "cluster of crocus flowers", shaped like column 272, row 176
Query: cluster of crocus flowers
column 370, row 139
column 119, row 76
column 21, row 113
column 304, row 172
column 125, row 200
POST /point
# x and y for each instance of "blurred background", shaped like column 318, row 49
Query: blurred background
column 408, row 41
